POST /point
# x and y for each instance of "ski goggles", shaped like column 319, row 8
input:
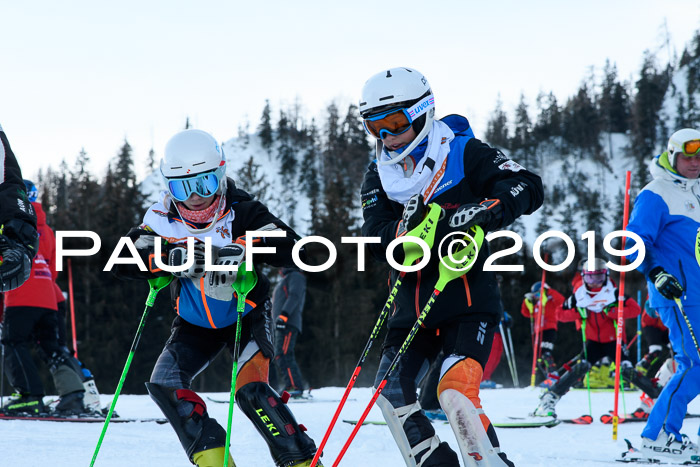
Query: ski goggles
column 691, row 148
column 204, row 184
column 396, row 121
column 594, row 277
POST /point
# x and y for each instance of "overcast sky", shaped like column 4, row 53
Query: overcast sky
column 87, row 74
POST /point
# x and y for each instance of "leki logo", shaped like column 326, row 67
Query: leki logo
column 476, row 456
column 268, row 423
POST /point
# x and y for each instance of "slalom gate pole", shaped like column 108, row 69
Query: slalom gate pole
column 412, row 253
column 72, row 309
column 620, row 315
column 507, row 350
column 244, row 283
column 539, row 321
column 512, row 353
column 687, row 323
column 2, row 372
column 449, row 269
column 585, row 356
column 639, row 326
column 156, row 285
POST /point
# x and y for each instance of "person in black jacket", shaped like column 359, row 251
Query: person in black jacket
column 201, row 202
column 18, row 237
column 424, row 160
column 287, row 307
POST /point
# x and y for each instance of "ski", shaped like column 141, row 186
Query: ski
column 582, row 420
column 637, row 416
column 366, row 422
column 526, row 422
column 55, row 418
column 292, row 400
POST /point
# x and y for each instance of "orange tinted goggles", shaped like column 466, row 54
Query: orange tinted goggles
column 393, row 122
column 692, row 147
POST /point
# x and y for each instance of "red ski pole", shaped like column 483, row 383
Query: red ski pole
column 620, row 314
column 412, row 253
column 449, row 269
column 72, row 309
column 539, row 324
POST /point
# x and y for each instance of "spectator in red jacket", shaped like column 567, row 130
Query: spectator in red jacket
column 547, row 322
column 30, row 317
column 593, row 306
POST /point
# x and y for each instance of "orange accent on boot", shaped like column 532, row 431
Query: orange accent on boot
column 465, row 377
column 254, row 370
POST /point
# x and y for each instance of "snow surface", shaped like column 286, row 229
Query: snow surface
column 37, row 443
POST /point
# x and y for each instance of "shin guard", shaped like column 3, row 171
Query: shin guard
column 395, row 419
column 274, row 421
column 459, row 397
column 196, row 430
column 569, row 378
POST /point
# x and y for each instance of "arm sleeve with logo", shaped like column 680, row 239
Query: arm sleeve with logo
column 492, row 175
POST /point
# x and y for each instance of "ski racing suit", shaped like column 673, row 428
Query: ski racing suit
column 463, row 319
column 206, row 324
column 666, row 216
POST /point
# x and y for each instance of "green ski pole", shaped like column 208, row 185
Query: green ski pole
column 156, row 285
column 244, row 283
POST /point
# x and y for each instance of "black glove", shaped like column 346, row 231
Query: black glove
column 178, row 257
column 16, row 264
column 507, row 320
column 281, row 322
column 665, row 283
column 231, row 255
column 569, row 303
column 487, row 215
column 413, row 214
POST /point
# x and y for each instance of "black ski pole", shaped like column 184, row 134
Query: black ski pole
column 156, row 285
column 687, row 323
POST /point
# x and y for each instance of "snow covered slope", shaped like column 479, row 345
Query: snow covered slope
column 33, row 444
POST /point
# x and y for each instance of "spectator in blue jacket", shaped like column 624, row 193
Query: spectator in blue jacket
column 666, row 216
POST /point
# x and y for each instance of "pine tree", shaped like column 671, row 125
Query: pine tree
column 265, row 127
column 549, row 118
column 497, row 127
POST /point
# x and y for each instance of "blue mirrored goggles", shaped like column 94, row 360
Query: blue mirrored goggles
column 204, row 184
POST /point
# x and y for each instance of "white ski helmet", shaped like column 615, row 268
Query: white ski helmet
column 685, row 141
column 595, row 272
column 194, row 162
column 400, row 88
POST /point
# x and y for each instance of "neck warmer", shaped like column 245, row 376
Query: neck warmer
column 595, row 301
column 204, row 216
column 399, row 187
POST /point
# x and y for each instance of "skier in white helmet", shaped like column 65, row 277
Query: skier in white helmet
column 666, row 216
column 201, row 202
column 422, row 160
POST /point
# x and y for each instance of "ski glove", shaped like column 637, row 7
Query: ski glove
column 487, row 214
column 569, row 303
column 145, row 245
column 231, row 256
column 413, row 214
column 281, row 321
column 507, row 320
column 530, row 297
column 178, row 257
column 665, row 283
column 16, row 264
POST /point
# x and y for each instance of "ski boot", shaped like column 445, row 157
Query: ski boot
column 212, row 458
column 489, row 384
column 647, row 361
column 305, row 463
column 24, row 404
column 667, row 447
column 548, row 402
column 71, row 405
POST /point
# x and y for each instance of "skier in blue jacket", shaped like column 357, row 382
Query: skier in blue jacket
column 666, row 216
